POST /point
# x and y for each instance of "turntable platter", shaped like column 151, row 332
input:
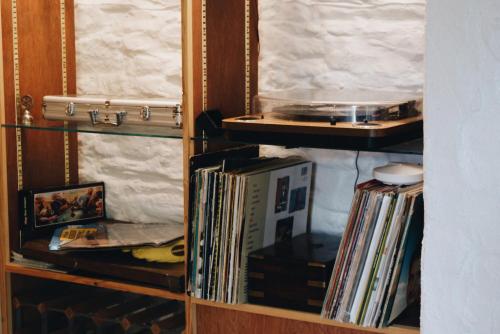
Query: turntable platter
column 338, row 105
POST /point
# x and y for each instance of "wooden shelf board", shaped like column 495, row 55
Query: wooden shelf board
column 269, row 124
column 302, row 316
column 342, row 136
column 97, row 282
column 111, row 264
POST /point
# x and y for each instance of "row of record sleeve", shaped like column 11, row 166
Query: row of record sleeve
column 377, row 270
column 241, row 206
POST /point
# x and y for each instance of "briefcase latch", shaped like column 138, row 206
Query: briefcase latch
column 70, row 109
column 115, row 119
column 177, row 115
column 146, row 113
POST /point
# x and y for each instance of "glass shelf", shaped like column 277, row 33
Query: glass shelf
column 123, row 130
column 414, row 146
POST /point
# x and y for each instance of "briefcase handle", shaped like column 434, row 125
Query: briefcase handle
column 117, row 121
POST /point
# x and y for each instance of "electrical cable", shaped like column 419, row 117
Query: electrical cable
column 357, row 171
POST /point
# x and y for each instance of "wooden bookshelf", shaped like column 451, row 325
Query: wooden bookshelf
column 38, row 60
column 220, row 60
column 92, row 281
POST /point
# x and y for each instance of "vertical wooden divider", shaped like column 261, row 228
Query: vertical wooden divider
column 219, row 72
column 226, row 55
column 71, row 84
column 5, row 308
column 192, row 107
column 189, row 104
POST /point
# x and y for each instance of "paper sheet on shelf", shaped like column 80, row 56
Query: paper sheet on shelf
column 114, row 235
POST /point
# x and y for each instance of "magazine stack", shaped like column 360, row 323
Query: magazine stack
column 376, row 273
column 241, row 207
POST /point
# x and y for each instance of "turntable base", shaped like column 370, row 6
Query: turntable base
column 341, row 135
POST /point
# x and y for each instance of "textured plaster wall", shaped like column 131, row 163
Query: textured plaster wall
column 462, row 234
column 131, row 49
column 373, row 44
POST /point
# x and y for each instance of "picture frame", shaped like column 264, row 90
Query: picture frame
column 46, row 209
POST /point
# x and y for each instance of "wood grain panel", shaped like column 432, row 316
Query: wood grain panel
column 9, row 117
column 40, row 73
column 195, row 60
column 225, row 52
column 191, row 85
column 212, row 320
column 225, row 31
column 254, row 49
column 269, row 124
column 311, row 319
column 96, row 282
column 71, row 81
column 5, row 296
column 226, row 56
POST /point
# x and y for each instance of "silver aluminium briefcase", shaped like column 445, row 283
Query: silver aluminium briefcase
column 113, row 112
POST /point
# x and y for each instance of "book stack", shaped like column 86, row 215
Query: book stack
column 376, row 273
column 241, row 207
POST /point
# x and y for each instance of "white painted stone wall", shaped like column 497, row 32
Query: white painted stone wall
column 324, row 44
column 130, row 48
column 461, row 252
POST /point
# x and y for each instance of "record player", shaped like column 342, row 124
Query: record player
column 351, row 118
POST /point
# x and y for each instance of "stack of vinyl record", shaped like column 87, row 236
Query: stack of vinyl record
column 376, row 273
column 239, row 209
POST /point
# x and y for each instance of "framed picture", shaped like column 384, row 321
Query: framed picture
column 48, row 208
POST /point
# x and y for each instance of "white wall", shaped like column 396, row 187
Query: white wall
column 461, row 270
column 131, row 49
column 373, row 44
